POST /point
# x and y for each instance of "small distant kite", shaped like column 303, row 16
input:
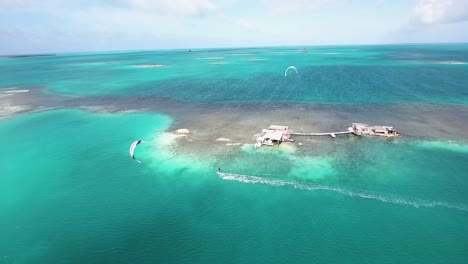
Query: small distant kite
column 132, row 149
column 290, row 67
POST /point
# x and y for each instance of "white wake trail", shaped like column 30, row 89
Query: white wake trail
column 353, row 193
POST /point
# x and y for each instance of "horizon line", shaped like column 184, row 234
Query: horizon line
column 229, row 47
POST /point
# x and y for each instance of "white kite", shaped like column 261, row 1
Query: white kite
column 132, row 149
column 290, row 67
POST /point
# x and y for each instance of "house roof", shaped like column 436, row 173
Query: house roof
column 275, row 127
column 360, row 125
column 274, row 135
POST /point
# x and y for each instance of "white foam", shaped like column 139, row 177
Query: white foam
column 149, row 65
column 211, row 58
column 436, row 62
column 353, row 193
column 451, row 62
column 16, row 91
column 218, row 62
column 256, row 59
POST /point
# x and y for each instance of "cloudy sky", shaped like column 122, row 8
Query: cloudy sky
column 38, row 26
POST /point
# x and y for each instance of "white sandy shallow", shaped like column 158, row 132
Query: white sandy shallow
column 7, row 109
column 168, row 138
column 282, row 149
column 461, row 147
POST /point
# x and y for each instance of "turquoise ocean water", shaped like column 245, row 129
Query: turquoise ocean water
column 70, row 193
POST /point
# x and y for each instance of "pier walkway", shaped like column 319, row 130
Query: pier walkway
column 332, row 134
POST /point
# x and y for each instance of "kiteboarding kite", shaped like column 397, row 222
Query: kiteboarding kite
column 290, row 67
column 132, row 149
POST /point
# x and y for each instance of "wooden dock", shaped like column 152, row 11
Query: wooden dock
column 331, row 134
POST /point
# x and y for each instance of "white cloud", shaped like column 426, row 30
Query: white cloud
column 55, row 25
column 432, row 14
column 176, row 7
column 244, row 23
column 295, row 6
column 439, row 11
column 11, row 3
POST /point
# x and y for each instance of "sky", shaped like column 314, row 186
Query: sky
column 53, row 26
